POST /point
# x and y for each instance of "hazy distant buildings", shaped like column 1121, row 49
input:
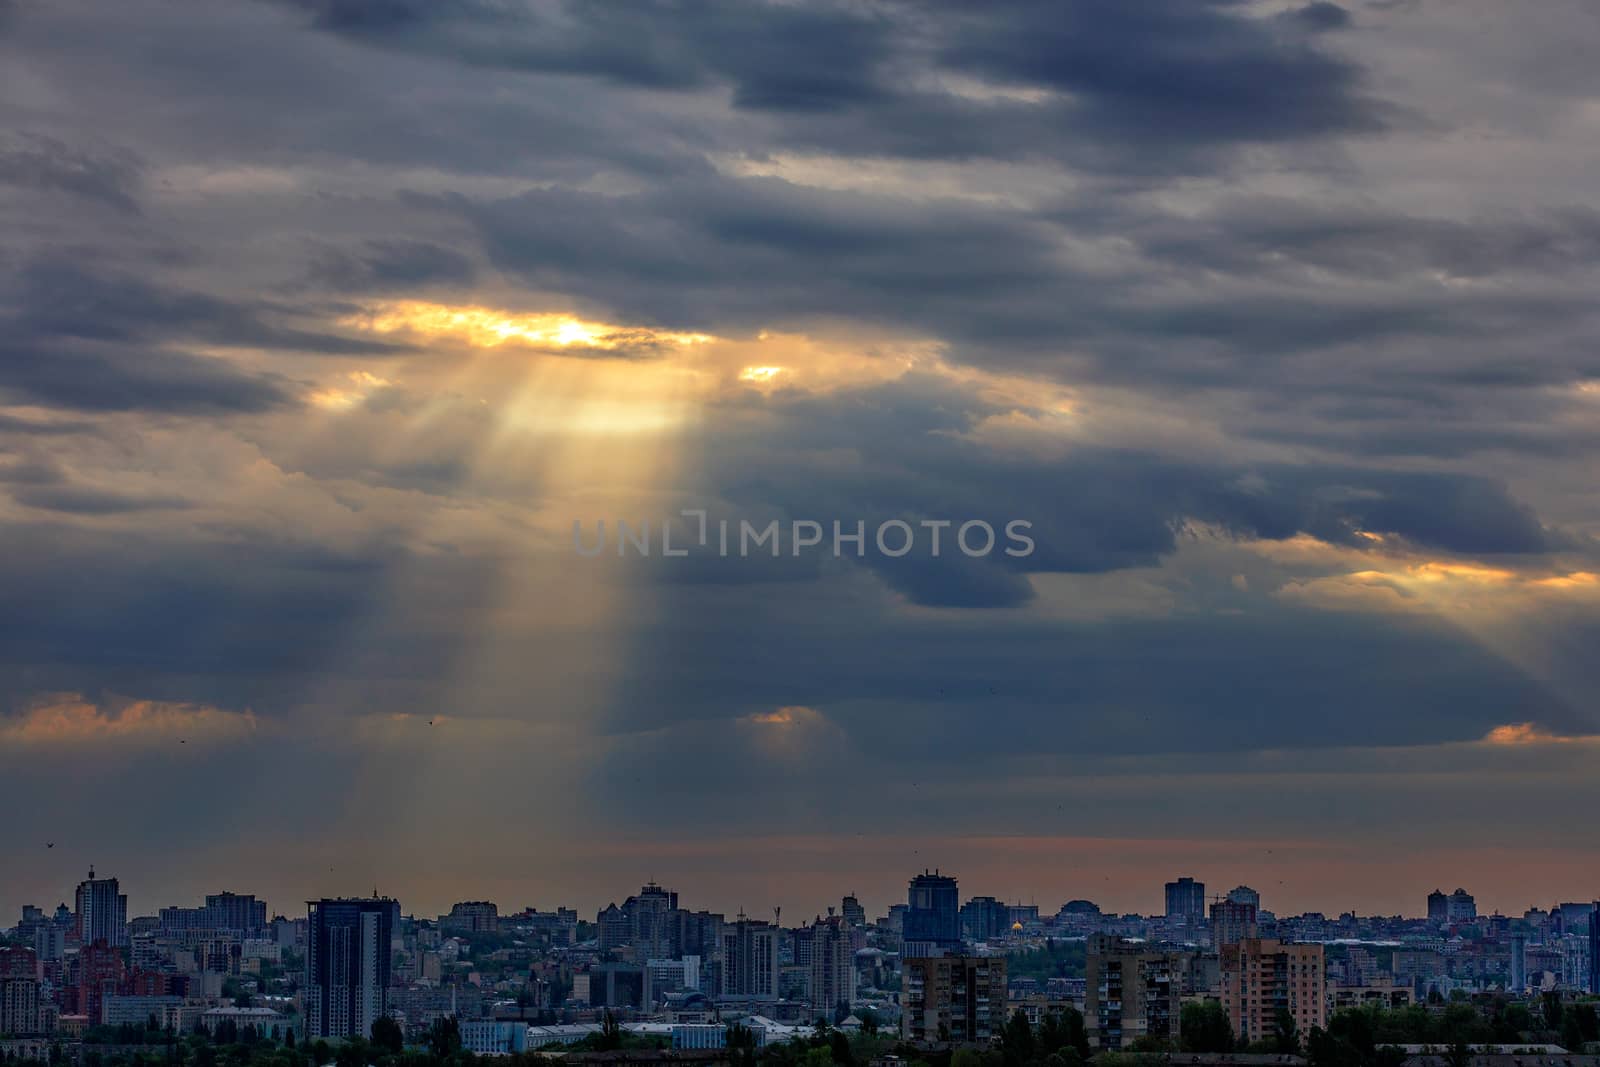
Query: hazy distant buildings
column 953, row 998
column 471, row 917
column 985, row 919
column 933, row 916
column 1457, row 907
column 101, row 912
column 853, row 912
column 238, row 914
column 646, row 924
column 1233, row 920
column 1261, row 976
column 1186, row 902
column 347, row 965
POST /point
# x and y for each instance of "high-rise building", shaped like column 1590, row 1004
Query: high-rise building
column 1262, row 976
column 101, row 912
column 833, row 965
column 953, row 998
column 1243, row 894
column 1132, row 990
column 933, row 916
column 853, row 912
column 750, row 959
column 1186, row 902
column 985, row 919
column 1594, row 948
column 98, row 975
column 1462, row 907
column 471, row 917
column 240, row 915
column 1232, row 921
column 347, row 965
column 1518, row 964
column 1438, row 907
column 699, row 933
column 646, row 924
column 19, row 991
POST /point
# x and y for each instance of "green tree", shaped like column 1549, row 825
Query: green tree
column 610, row 1034
column 1285, row 1036
column 387, row 1035
column 1204, row 1028
column 817, row 1057
column 1063, row 1029
column 444, row 1036
column 1016, row 1041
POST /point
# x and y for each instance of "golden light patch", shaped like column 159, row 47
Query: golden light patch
column 1526, row 733
column 62, row 718
column 785, row 716
column 361, row 384
column 760, row 375
column 485, row 327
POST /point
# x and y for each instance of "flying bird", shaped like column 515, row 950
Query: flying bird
column 49, row 844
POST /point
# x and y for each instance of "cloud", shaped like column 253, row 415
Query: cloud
column 37, row 162
column 72, row 719
column 1527, row 733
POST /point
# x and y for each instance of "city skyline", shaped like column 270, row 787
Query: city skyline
column 1269, row 325
column 763, row 909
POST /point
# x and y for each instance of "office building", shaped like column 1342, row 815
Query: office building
column 347, row 965
column 1438, row 907
column 985, row 919
column 1461, row 907
column 1262, row 976
column 960, row 999
column 1186, row 902
column 933, row 916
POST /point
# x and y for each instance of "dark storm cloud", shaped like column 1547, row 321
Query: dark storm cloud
column 1202, row 71
column 87, row 376
column 251, row 618
column 1157, row 79
column 764, row 252
column 390, row 264
column 35, row 161
column 1094, row 510
column 84, row 500
column 1205, row 682
column 62, row 299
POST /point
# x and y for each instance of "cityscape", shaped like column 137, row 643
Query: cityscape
column 1216, row 974
column 799, row 533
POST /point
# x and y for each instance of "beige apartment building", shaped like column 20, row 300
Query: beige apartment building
column 1260, row 976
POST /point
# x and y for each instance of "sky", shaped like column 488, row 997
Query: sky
column 323, row 322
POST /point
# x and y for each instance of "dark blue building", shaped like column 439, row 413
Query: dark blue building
column 933, row 916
